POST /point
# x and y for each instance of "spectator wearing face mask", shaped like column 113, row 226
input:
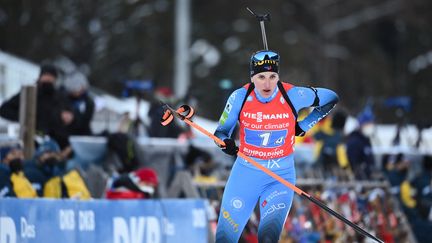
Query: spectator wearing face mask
column 76, row 88
column 52, row 111
column 359, row 147
column 48, row 175
column 47, row 163
column 13, row 182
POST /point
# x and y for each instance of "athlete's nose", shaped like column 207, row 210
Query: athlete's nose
column 267, row 83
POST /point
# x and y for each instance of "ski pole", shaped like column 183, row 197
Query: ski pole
column 261, row 19
column 186, row 119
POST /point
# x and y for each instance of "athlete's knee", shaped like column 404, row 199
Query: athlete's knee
column 270, row 228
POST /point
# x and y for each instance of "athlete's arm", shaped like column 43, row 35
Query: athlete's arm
column 323, row 100
column 230, row 114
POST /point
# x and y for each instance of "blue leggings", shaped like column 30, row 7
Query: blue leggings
column 245, row 186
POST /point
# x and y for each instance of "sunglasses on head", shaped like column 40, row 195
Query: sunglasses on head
column 265, row 55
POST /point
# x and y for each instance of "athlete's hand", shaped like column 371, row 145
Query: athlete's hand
column 299, row 131
column 230, row 146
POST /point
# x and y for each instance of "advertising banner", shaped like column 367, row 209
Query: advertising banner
column 120, row 221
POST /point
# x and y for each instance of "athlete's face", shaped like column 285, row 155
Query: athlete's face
column 265, row 83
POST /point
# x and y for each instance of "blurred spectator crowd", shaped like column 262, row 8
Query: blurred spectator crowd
column 53, row 171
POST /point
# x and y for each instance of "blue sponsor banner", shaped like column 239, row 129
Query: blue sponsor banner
column 119, row 221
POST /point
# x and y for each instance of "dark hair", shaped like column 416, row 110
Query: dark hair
column 48, row 69
column 399, row 158
column 6, row 148
column 339, row 119
column 427, row 162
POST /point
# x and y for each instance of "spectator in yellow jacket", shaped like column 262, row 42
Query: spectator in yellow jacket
column 13, row 182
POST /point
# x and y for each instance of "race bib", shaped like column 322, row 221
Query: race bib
column 265, row 138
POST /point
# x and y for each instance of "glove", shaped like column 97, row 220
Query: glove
column 299, row 131
column 230, row 146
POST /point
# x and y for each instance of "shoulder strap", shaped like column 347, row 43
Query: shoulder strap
column 316, row 100
column 250, row 88
column 287, row 99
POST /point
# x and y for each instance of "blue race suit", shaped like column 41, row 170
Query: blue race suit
column 247, row 184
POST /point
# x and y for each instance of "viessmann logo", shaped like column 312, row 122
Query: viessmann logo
column 259, row 116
